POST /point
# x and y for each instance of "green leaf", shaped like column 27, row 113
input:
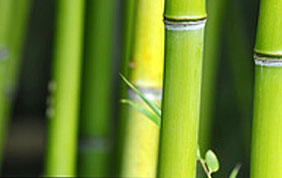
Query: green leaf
column 235, row 171
column 212, row 161
column 150, row 115
column 153, row 106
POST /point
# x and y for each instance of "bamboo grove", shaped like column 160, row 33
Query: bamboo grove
column 141, row 88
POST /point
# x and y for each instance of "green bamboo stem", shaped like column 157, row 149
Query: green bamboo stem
column 127, row 42
column 63, row 112
column 13, row 23
column 96, row 111
column 210, row 66
column 266, row 146
column 16, row 39
column 128, row 29
column 266, row 153
column 238, row 54
column 184, row 40
column 140, row 147
column 5, row 11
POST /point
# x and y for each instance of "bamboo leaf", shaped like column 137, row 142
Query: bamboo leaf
column 153, row 106
column 150, row 115
column 235, row 171
column 212, row 161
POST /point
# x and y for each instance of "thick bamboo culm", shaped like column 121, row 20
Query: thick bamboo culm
column 13, row 24
column 184, row 41
column 65, row 89
column 266, row 152
column 140, row 150
column 96, row 112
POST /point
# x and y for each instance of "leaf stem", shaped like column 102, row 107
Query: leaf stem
column 203, row 164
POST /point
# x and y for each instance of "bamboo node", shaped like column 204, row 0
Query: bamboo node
column 269, row 61
column 10, row 92
column 184, row 25
column 100, row 144
column 153, row 94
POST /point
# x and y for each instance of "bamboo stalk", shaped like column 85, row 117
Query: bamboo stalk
column 63, row 112
column 96, row 113
column 128, row 29
column 210, row 66
column 5, row 11
column 140, row 150
column 127, row 43
column 266, row 153
column 239, row 52
column 184, row 40
column 13, row 23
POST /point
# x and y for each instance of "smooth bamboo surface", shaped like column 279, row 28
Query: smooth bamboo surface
column 269, row 28
column 185, row 9
column 141, row 145
column 181, row 103
column 184, row 43
column 266, row 156
column 65, row 88
column 146, row 64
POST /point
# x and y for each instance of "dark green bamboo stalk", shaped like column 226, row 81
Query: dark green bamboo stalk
column 266, row 156
column 128, row 29
column 96, row 124
column 13, row 23
column 184, row 41
column 210, row 65
column 237, row 46
column 65, row 87
column 239, row 52
column 127, row 43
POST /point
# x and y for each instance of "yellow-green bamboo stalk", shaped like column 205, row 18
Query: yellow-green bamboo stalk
column 140, row 150
column 65, row 88
column 266, row 153
column 184, row 41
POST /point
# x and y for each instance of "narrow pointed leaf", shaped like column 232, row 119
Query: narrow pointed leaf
column 150, row 115
column 153, row 106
